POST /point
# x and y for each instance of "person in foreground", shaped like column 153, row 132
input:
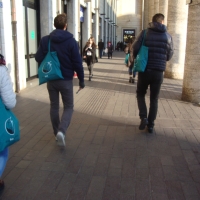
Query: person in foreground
column 160, row 45
column 8, row 98
column 70, row 60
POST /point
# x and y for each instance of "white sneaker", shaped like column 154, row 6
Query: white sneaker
column 61, row 139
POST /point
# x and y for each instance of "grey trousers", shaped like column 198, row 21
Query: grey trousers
column 65, row 88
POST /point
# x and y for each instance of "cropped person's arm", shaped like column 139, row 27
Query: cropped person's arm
column 6, row 88
column 170, row 51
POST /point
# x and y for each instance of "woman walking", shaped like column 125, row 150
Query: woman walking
column 89, row 53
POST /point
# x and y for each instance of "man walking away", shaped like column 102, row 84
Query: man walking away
column 101, row 47
column 70, row 60
column 160, row 46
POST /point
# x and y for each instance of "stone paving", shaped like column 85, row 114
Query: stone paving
column 106, row 156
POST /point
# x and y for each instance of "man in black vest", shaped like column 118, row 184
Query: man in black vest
column 101, row 47
column 160, row 45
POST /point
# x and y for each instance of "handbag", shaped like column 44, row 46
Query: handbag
column 9, row 127
column 49, row 69
column 126, row 61
column 141, row 59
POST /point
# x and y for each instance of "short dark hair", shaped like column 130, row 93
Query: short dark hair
column 60, row 21
column 159, row 17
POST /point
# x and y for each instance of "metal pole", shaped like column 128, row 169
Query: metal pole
column 14, row 30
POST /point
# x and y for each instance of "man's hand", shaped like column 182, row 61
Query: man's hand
column 81, row 85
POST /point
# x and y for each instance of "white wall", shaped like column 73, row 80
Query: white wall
column 21, row 41
column 128, row 17
column 6, row 33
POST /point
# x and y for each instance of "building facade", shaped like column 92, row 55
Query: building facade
column 30, row 20
column 109, row 20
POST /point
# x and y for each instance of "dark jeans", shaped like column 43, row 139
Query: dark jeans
column 3, row 160
column 90, row 65
column 100, row 53
column 153, row 79
column 109, row 54
column 65, row 88
column 90, row 68
column 130, row 71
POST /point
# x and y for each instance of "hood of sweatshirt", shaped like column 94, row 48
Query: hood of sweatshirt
column 158, row 27
column 60, row 36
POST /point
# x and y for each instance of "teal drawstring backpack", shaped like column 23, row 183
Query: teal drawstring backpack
column 9, row 127
column 49, row 69
column 141, row 59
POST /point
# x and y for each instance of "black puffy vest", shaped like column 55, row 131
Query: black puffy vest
column 160, row 46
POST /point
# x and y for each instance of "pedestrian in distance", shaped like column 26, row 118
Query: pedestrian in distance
column 101, row 48
column 129, row 62
column 89, row 54
column 160, row 50
column 8, row 98
column 110, row 50
column 70, row 61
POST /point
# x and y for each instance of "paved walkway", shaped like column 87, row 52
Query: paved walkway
column 106, row 156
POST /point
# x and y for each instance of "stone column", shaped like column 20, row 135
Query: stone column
column 191, row 81
column 86, row 30
column 146, row 14
column 151, row 10
column 156, row 6
column 97, row 24
column 46, row 24
column 59, row 9
column 76, row 8
column 163, row 8
column 177, row 27
column 89, row 20
column 106, row 24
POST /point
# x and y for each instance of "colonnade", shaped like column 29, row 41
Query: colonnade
column 183, row 23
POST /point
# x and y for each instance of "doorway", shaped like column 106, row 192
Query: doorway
column 31, row 36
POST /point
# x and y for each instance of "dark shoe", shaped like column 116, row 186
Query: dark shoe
column 150, row 129
column 90, row 77
column 1, row 185
column 143, row 123
column 133, row 80
column 130, row 80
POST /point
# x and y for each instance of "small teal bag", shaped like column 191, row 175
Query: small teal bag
column 49, row 69
column 141, row 59
column 126, row 59
column 9, row 127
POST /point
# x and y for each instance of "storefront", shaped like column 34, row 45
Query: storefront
column 128, row 35
column 31, row 36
